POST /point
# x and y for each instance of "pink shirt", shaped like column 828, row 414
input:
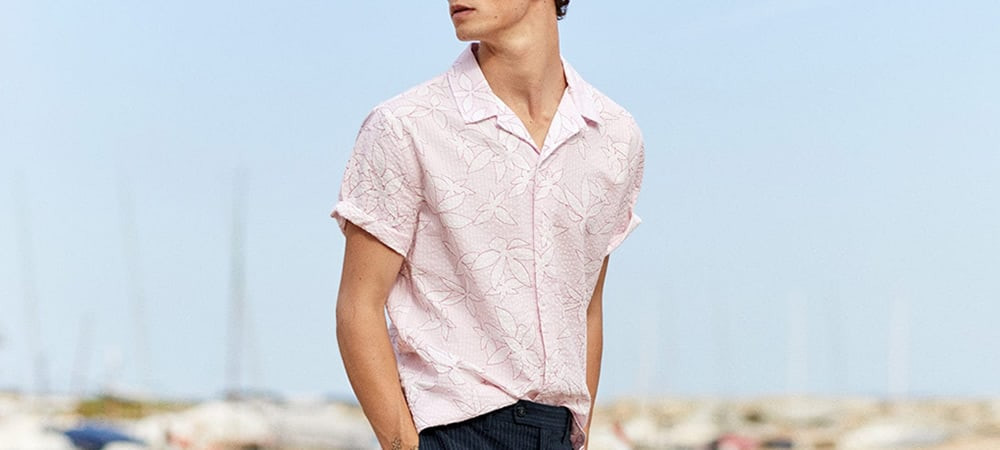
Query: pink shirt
column 503, row 241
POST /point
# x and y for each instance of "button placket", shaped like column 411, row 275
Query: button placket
column 542, row 295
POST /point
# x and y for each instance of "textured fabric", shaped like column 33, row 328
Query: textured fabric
column 521, row 426
column 503, row 242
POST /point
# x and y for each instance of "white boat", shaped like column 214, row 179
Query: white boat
column 29, row 432
column 894, row 434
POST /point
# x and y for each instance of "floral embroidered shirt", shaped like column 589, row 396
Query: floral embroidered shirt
column 503, row 241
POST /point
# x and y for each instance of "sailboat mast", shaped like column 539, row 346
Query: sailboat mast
column 32, row 319
column 237, row 287
column 81, row 363
column 899, row 351
column 134, row 270
column 797, row 376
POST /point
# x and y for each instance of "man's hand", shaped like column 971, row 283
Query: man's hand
column 370, row 269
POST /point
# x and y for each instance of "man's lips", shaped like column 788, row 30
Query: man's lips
column 458, row 9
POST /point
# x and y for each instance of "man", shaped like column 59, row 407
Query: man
column 479, row 210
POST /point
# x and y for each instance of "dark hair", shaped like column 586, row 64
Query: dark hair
column 561, row 6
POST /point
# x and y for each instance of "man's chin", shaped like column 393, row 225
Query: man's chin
column 465, row 37
column 465, row 33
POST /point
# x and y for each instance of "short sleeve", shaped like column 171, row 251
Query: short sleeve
column 382, row 188
column 626, row 219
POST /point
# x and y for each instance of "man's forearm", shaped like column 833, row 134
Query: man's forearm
column 595, row 340
column 371, row 368
column 595, row 350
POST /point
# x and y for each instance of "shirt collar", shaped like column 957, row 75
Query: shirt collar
column 476, row 101
column 583, row 94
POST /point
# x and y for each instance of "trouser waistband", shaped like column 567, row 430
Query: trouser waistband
column 522, row 425
column 554, row 418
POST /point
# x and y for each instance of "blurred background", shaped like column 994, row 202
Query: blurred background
column 821, row 202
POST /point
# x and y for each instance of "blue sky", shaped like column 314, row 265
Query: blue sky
column 816, row 171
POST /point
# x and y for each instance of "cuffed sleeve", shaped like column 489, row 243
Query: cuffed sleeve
column 626, row 218
column 382, row 188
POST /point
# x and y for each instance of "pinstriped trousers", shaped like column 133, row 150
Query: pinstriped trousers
column 522, row 426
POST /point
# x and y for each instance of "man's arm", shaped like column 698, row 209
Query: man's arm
column 595, row 339
column 370, row 269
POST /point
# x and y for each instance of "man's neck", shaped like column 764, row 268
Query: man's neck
column 525, row 70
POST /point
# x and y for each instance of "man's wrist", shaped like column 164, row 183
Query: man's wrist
column 397, row 444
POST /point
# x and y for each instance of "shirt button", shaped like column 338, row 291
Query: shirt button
column 520, row 411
